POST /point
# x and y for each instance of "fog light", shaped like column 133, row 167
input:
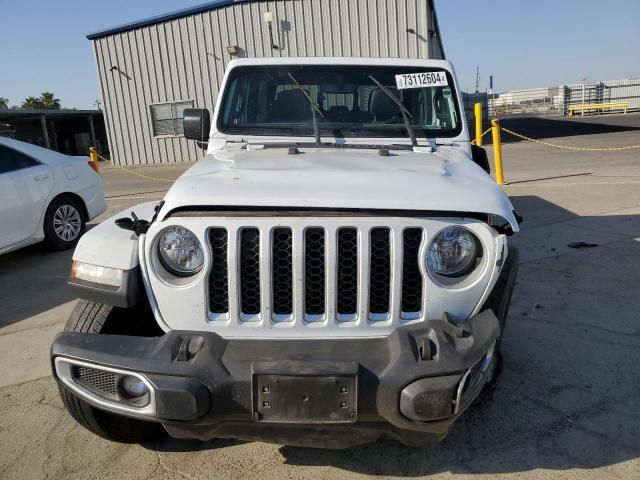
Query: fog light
column 133, row 387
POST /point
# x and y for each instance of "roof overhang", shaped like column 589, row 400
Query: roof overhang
column 26, row 114
column 205, row 8
column 164, row 17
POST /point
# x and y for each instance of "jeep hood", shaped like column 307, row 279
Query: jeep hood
column 444, row 180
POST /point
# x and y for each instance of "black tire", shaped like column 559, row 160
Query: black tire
column 92, row 317
column 480, row 158
column 499, row 301
column 64, row 223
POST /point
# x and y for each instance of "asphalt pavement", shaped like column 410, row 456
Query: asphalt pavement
column 568, row 402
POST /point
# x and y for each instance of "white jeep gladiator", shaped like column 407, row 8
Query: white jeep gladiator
column 333, row 271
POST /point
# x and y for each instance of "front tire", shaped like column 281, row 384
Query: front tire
column 97, row 318
column 64, row 223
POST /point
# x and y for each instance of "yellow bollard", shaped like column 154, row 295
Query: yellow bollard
column 477, row 110
column 497, row 151
column 93, row 159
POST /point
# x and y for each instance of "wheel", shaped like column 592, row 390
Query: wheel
column 499, row 301
column 64, row 223
column 91, row 317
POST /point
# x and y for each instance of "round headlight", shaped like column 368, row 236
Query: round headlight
column 452, row 252
column 180, row 251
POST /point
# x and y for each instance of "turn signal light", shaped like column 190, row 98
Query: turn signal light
column 111, row 277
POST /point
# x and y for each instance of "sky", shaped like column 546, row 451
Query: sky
column 522, row 43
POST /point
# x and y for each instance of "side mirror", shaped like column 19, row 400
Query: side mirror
column 197, row 124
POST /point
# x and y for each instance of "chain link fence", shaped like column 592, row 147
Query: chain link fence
column 555, row 101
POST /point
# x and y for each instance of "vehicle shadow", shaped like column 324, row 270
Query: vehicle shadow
column 33, row 280
column 568, row 397
column 168, row 444
column 539, row 128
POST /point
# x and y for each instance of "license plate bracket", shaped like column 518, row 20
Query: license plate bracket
column 305, row 398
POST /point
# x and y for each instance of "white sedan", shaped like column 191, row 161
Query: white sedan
column 45, row 195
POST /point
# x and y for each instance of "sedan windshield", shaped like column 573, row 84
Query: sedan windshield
column 351, row 101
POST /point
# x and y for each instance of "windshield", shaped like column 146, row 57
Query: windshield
column 267, row 100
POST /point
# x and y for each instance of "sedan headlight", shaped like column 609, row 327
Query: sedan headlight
column 180, row 251
column 453, row 252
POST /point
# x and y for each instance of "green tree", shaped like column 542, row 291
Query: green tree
column 49, row 100
column 45, row 101
column 32, row 103
column 4, row 103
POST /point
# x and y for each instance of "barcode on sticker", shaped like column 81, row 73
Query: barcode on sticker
column 421, row 80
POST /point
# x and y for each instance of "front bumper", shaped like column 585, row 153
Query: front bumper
column 336, row 392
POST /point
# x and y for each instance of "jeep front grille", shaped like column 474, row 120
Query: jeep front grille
column 347, row 280
column 380, row 272
column 250, row 271
column 282, row 268
column 411, row 278
column 336, row 274
column 315, row 280
column 219, row 280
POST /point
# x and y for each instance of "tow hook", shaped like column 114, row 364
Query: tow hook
column 188, row 348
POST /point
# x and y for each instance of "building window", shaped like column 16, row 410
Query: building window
column 166, row 118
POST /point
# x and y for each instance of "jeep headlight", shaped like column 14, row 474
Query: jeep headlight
column 180, row 251
column 453, row 252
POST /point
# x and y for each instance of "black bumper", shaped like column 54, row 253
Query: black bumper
column 307, row 392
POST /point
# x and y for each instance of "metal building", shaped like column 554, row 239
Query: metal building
column 151, row 70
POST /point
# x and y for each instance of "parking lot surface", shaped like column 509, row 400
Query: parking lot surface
column 567, row 406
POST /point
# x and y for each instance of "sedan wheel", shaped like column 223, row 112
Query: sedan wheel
column 67, row 223
column 64, row 223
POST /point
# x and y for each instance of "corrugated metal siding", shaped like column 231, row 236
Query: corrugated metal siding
column 185, row 58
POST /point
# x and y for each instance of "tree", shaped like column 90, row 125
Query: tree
column 45, row 101
column 50, row 101
column 32, row 103
column 4, row 103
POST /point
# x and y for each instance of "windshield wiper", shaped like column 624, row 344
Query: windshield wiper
column 315, row 109
column 405, row 113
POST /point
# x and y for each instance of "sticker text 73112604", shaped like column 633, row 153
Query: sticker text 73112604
column 421, row 80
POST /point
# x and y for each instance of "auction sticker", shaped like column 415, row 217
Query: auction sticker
column 421, row 80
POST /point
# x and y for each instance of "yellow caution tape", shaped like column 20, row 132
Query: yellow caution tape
column 564, row 147
column 137, row 174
